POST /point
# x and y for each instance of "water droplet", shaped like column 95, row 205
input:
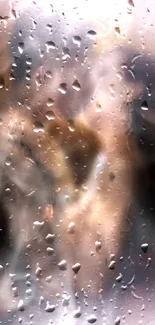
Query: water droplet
column 2, row 82
column 92, row 34
column 29, row 292
column 38, row 127
column 1, row 121
column 21, row 306
column 50, row 45
column 119, row 278
column 62, row 265
column 144, row 247
column 77, row 40
column 117, row 321
column 48, row 74
column 50, row 238
column 38, row 271
column 117, row 30
column 21, row 47
column 91, row 319
column 50, row 115
column 77, row 312
column 71, row 125
column 76, row 268
column 112, row 265
column 76, row 86
column 71, row 228
column 98, row 246
column 50, row 102
column 38, row 224
column 66, row 300
column 144, row 106
column 63, row 88
column 50, row 251
column 13, row 14
column 8, row 161
column 50, row 308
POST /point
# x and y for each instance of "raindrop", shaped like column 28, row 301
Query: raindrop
column 92, row 34
column 71, row 228
column 117, row 30
column 13, row 14
column 111, row 265
column 77, row 313
column 77, row 40
column 50, row 102
column 50, row 45
column 62, row 265
column 38, row 127
column 21, row 306
column 117, row 321
column 38, row 224
column 21, row 47
column 98, row 246
column 91, row 319
column 29, row 292
column 144, row 247
column 144, row 106
column 8, row 161
column 49, row 308
column 119, row 278
column 71, row 125
column 2, row 82
column 66, row 300
column 63, row 88
column 48, row 74
column 76, row 268
column 38, row 271
column 50, row 115
column 76, row 86
column 50, row 238
column 50, row 251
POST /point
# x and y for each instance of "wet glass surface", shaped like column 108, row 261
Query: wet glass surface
column 77, row 169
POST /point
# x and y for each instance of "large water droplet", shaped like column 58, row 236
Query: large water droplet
column 50, row 308
column 77, row 40
column 21, row 47
column 21, row 306
column 62, row 265
column 91, row 319
column 144, row 247
column 92, row 34
column 50, row 45
column 76, row 268
column 63, row 88
column 50, row 115
column 50, row 102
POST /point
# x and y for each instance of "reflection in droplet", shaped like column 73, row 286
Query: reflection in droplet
column 63, row 88
column 76, row 85
column 21, row 47
column 62, row 265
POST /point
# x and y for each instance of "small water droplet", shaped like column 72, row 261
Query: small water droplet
column 50, row 102
column 65, row 300
column 50, row 251
column 117, row 321
column 50, row 238
column 63, row 88
column 8, row 161
column 71, row 125
column 29, row 292
column 50, row 45
column 119, row 278
column 21, row 306
column 71, row 228
column 77, row 40
column 144, row 106
column 62, row 265
column 144, row 247
column 21, row 47
column 98, row 245
column 76, row 86
column 91, row 319
column 38, row 224
column 92, row 34
column 1, row 121
column 48, row 74
column 117, row 30
column 50, row 308
column 2, row 82
column 77, row 313
column 50, row 115
column 38, row 271
column 76, row 268
column 38, row 127
column 112, row 265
